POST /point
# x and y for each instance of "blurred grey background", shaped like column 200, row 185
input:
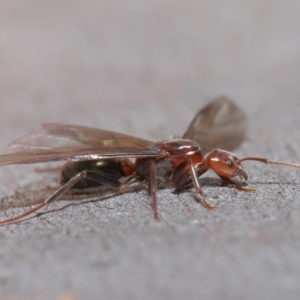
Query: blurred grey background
column 145, row 68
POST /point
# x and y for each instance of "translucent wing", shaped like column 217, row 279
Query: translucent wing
column 221, row 124
column 56, row 137
column 71, row 142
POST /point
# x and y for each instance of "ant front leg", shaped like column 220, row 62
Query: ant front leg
column 63, row 189
column 183, row 173
column 197, row 187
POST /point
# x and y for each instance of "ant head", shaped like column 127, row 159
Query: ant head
column 225, row 164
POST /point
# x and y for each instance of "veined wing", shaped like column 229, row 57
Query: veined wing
column 95, row 137
column 221, row 124
column 58, row 137
column 71, row 142
column 76, row 154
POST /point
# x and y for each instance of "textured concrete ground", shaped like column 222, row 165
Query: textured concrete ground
column 145, row 68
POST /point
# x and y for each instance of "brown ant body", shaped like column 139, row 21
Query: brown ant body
column 99, row 158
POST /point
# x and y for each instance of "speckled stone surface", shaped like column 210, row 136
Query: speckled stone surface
column 145, row 68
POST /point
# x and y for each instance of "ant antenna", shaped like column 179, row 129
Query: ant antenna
column 271, row 162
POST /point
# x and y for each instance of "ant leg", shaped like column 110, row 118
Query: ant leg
column 152, row 187
column 198, row 188
column 63, row 189
column 228, row 181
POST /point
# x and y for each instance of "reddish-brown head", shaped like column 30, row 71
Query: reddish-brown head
column 225, row 164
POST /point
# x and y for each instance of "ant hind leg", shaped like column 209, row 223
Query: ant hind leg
column 63, row 189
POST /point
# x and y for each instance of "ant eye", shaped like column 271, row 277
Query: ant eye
column 229, row 162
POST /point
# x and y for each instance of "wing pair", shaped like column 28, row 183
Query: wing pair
column 219, row 125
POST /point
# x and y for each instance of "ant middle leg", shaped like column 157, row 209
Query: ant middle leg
column 152, row 187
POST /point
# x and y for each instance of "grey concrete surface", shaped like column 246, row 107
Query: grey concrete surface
column 145, row 68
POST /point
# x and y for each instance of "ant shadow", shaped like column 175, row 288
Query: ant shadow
column 31, row 195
